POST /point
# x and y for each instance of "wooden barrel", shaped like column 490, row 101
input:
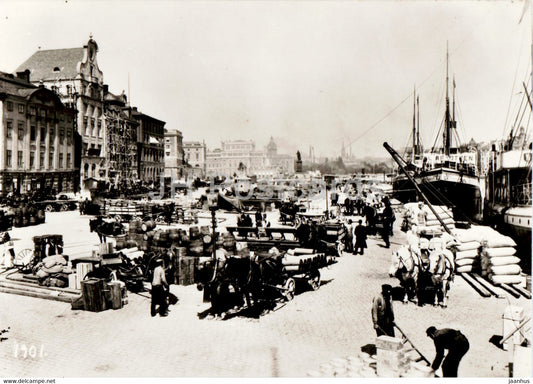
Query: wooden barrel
column 174, row 235
column 24, row 222
column 144, row 245
column 194, row 233
column 24, row 211
column 196, row 247
column 33, row 220
column 149, row 235
column 115, row 295
column 163, row 237
column 148, row 225
column 228, row 239
column 134, row 226
column 92, row 291
column 207, row 239
column 156, row 237
column 41, row 215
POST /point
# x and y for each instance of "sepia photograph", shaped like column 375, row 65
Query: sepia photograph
column 240, row 189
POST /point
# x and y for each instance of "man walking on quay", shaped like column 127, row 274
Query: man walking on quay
column 348, row 237
column 159, row 290
column 360, row 238
column 456, row 344
column 388, row 219
column 382, row 313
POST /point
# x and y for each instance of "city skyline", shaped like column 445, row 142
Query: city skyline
column 307, row 73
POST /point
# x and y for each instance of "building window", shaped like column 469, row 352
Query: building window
column 21, row 108
column 51, row 160
column 60, row 160
column 99, row 128
column 32, row 160
column 19, row 159
column 43, row 134
column 21, row 130
column 10, row 106
column 32, row 133
column 61, row 135
column 8, row 158
column 9, row 129
column 68, row 160
column 41, row 160
column 32, row 111
column 51, row 133
column 85, row 125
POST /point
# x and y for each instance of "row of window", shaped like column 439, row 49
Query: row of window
column 34, row 111
column 33, row 132
column 10, row 107
column 20, row 160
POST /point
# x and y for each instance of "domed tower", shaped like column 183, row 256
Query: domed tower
column 272, row 148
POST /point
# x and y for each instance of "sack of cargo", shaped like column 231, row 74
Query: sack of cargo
column 506, row 279
column 513, row 269
column 503, row 251
column 500, row 241
column 466, row 254
column 504, row 260
column 463, row 262
column 464, row 269
column 469, row 246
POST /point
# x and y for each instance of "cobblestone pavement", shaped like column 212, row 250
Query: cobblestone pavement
column 296, row 338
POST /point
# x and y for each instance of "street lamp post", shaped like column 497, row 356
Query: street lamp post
column 212, row 202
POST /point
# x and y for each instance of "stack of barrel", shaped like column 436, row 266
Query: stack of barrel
column 26, row 215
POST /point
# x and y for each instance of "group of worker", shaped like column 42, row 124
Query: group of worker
column 444, row 339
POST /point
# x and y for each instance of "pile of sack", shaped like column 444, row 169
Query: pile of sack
column 422, row 219
column 53, row 271
column 485, row 250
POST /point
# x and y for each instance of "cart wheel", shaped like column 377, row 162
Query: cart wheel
column 64, row 208
column 118, row 219
column 288, row 289
column 160, row 220
column 314, row 280
column 24, row 259
column 49, row 208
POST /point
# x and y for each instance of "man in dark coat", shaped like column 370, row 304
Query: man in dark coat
column 360, row 238
column 388, row 216
column 382, row 314
column 348, row 237
column 457, row 345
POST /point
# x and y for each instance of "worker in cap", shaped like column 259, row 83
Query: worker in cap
column 159, row 290
column 457, row 345
column 382, row 312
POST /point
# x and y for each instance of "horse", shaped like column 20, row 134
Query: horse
column 230, row 282
column 441, row 267
column 405, row 267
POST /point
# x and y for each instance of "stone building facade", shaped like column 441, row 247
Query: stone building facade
column 174, row 157
column 150, row 146
column 195, row 158
column 37, row 139
column 75, row 76
column 240, row 157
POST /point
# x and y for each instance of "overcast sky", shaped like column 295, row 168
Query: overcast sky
column 307, row 73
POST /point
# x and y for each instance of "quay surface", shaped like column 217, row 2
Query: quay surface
column 314, row 328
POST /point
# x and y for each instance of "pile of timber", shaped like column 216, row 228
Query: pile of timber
column 303, row 260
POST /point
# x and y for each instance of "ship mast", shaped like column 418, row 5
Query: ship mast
column 447, row 128
column 415, row 149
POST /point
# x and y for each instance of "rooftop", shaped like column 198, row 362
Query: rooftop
column 53, row 64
